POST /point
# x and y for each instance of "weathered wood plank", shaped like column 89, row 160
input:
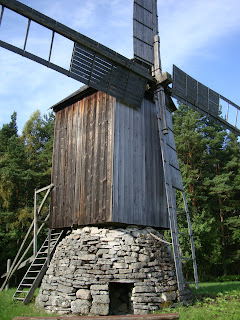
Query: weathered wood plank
column 115, row 161
column 95, row 189
column 55, row 166
column 78, row 164
column 82, row 219
column 102, row 209
column 167, row 316
column 110, row 150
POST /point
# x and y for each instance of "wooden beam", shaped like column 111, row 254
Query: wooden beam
column 35, row 225
column 75, row 36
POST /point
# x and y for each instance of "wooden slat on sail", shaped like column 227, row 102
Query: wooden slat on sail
column 145, row 27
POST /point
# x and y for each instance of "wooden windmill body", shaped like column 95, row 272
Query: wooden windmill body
column 107, row 165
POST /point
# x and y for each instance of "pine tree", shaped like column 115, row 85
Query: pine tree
column 209, row 162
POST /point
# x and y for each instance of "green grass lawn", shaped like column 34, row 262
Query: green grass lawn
column 10, row 308
column 212, row 301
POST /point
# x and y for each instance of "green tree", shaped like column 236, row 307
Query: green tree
column 209, row 162
column 25, row 164
column 7, row 131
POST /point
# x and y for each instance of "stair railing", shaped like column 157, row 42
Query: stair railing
column 18, row 264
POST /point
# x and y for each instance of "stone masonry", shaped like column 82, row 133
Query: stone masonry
column 101, row 271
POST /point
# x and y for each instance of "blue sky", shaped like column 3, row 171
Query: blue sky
column 201, row 37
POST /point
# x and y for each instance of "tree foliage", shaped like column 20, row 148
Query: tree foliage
column 209, row 162
column 25, row 164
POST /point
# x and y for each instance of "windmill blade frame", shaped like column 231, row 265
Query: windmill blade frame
column 203, row 99
column 92, row 63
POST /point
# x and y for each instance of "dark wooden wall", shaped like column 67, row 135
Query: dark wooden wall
column 82, row 162
column 107, row 165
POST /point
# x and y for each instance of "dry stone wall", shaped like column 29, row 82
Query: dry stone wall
column 101, row 271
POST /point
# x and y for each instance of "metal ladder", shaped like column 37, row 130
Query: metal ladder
column 171, row 194
column 39, row 266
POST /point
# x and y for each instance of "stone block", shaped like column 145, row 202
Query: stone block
column 99, row 287
column 136, row 265
column 121, row 253
column 100, row 309
column 125, row 271
column 80, row 306
column 129, row 240
column 84, row 294
column 141, row 311
column 119, row 265
column 143, row 258
column 130, row 259
column 100, row 252
column 101, row 298
column 141, row 289
column 49, row 287
column 61, row 302
column 169, row 296
column 65, row 289
column 87, row 257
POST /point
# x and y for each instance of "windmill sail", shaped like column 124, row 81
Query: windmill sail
column 92, row 63
column 206, row 101
column 145, row 27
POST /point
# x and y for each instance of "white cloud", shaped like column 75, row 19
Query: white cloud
column 189, row 27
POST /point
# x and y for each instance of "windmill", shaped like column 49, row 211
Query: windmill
column 134, row 83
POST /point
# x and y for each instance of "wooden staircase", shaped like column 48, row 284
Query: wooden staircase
column 39, row 266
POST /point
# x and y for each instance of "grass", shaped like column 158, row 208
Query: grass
column 212, row 301
column 10, row 308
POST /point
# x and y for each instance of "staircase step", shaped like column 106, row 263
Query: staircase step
column 26, row 284
column 35, row 272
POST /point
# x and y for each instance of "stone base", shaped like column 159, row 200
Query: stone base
column 101, row 271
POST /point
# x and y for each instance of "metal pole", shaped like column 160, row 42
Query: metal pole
column 8, row 269
column 35, row 225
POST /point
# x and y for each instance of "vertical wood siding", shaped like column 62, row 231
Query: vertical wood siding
column 138, row 189
column 107, row 164
column 82, row 163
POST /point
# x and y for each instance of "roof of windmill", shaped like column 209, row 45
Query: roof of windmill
column 74, row 97
column 85, row 91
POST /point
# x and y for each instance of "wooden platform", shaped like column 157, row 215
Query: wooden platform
column 168, row 316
